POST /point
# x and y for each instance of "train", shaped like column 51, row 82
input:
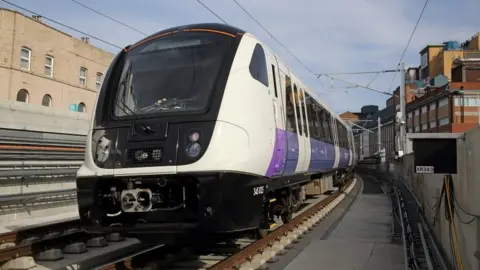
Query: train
column 202, row 129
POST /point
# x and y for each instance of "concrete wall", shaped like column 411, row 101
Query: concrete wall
column 427, row 190
column 21, row 116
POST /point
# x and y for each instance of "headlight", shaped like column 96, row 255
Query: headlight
column 194, row 136
column 103, row 150
column 193, row 149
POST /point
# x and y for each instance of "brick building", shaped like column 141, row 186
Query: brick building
column 42, row 65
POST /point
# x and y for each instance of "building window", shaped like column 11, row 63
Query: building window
column 432, row 106
column 417, row 112
column 83, row 76
column 98, row 81
column 433, row 124
column 424, row 60
column 49, row 65
column 467, row 101
column 417, row 128
column 81, row 107
column 442, row 102
column 443, row 121
column 424, row 126
column 25, row 56
column 424, row 109
column 22, row 96
column 47, row 100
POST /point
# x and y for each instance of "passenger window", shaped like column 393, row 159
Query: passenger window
column 304, row 111
column 321, row 122
column 327, row 124
column 298, row 110
column 274, row 80
column 289, row 110
column 258, row 65
column 312, row 116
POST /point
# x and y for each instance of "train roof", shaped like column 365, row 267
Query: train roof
column 235, row 31
column 307, row 88
column 210, row 26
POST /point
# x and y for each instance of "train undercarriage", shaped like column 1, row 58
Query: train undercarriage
column 284, row 202
column 180, row 205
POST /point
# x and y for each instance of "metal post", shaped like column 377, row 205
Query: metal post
column 478, row 108
column 361, row 145
column 379, row 135
column 402, row 107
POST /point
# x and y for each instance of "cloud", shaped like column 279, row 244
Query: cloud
column 328, row 36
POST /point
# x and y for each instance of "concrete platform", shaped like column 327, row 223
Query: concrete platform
column 361, row 241
column 34, row 222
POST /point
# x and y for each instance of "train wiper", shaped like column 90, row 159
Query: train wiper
column 165, row 104
column 122, row 86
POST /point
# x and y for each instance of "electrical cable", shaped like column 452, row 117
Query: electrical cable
column 211, row 11
column 64, row 25
column 274, row 38
column 408, row 43
column 106, row 16
column 447, row 195
column 360, row 72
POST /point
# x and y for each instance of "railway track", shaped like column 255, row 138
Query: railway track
column 239, row 253
column 66, row 246
column 63, row 245
column 421, row 251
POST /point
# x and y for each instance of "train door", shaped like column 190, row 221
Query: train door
column 299, row 112
column 276, row 93
column 291, row 125
column 335, row 140
column 307, row 145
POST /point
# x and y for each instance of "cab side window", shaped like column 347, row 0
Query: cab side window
column 258, row 65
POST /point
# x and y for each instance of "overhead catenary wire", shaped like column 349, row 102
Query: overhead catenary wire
column 62, row 24
column 360, row 72
column 273, row 37
column 408, row 43
column 211, row 11
column 109, row 17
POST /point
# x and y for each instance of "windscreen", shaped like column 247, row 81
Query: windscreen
column 175, row 73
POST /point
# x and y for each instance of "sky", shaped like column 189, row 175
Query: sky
column 327, row 36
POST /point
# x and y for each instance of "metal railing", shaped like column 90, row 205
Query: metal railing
column 29, row 157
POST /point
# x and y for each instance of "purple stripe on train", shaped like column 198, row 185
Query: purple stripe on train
column 284, row 161
column 344, row 158
column 278, row 157
column 322, row 155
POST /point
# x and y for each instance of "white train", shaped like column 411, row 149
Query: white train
column 201, row 128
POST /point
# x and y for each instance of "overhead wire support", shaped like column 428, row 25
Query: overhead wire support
column 358, row 85
column 360, row 72
column 64, row 25
column 106, row 16
column 408, row 43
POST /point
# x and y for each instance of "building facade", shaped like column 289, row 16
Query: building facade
column 453, row 108
column 439, row 59
column 42, row 65
column 377, row 135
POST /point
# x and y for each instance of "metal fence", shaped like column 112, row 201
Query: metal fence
column 35, row 165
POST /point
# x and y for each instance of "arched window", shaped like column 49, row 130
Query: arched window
column 22, row 96
column 82, row 107
column 47, row 100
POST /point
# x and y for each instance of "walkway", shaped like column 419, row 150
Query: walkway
column 361, row 241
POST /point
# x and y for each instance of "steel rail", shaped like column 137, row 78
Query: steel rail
column 243, row 255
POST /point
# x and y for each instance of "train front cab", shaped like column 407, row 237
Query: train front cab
column 142, row 139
